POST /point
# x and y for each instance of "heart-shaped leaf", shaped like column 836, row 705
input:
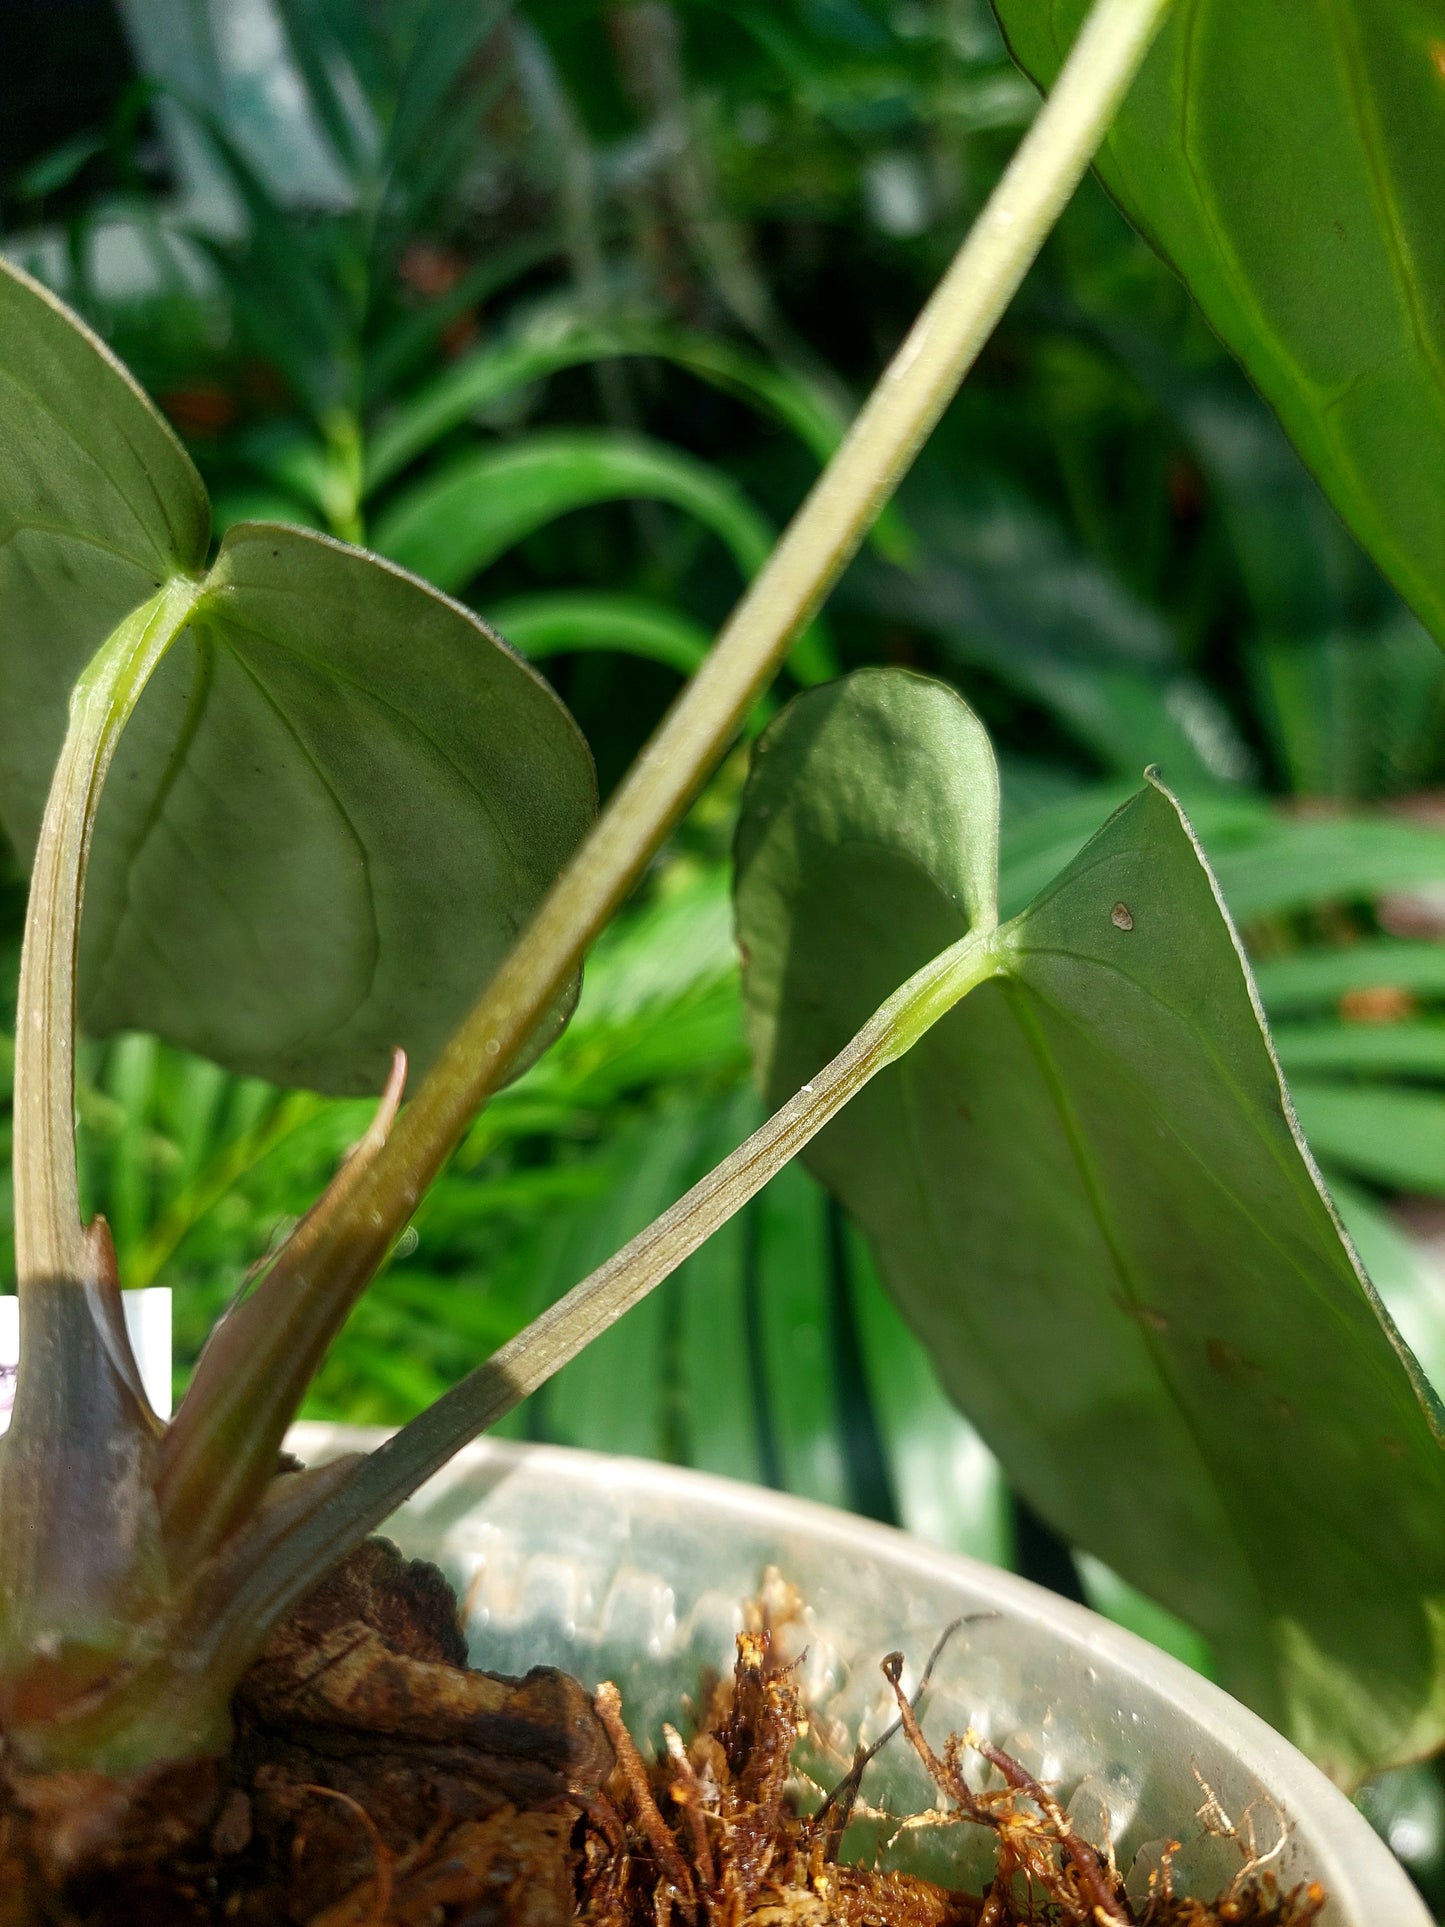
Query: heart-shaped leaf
column 1086, row 1190
column 372, row 793
column 340, row 796
column 1289, row 161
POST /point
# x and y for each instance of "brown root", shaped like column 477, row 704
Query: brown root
column 710, row 1834
column 375, row 1781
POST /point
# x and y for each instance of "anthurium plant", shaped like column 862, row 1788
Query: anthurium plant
column 315, row 809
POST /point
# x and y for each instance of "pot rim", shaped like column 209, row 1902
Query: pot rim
column 1354, row 1864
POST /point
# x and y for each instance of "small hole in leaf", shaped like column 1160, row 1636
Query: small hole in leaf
column 1122, row 917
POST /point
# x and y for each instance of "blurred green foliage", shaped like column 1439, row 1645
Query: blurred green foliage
column 605, row 283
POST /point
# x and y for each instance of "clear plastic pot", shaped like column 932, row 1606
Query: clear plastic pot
column 625, row 1570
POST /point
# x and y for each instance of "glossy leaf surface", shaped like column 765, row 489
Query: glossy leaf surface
column 1291, row 167
column 340, row 796
column 1086, row 1191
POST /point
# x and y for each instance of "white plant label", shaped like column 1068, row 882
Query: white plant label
column 147, row 1319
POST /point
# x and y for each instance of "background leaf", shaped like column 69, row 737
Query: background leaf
column 1292, row 172
column 555, row 339
column 549, row 625
column 1086, row 1192
column 1318, row 977
column 1393, row 1137
column 449, row 527
column 1002, row 590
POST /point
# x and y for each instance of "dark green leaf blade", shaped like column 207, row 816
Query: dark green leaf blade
column 337, row 803
column 1290, row 168
column 1086, row 1192
column 99, row 503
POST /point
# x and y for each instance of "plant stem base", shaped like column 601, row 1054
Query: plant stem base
column 373, row 1779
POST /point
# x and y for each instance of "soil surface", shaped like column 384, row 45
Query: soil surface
column 377, row 1781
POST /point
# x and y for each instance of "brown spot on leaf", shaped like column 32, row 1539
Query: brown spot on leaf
column 1147, row 1315
column 1122, row 917
column 1226, row 1359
